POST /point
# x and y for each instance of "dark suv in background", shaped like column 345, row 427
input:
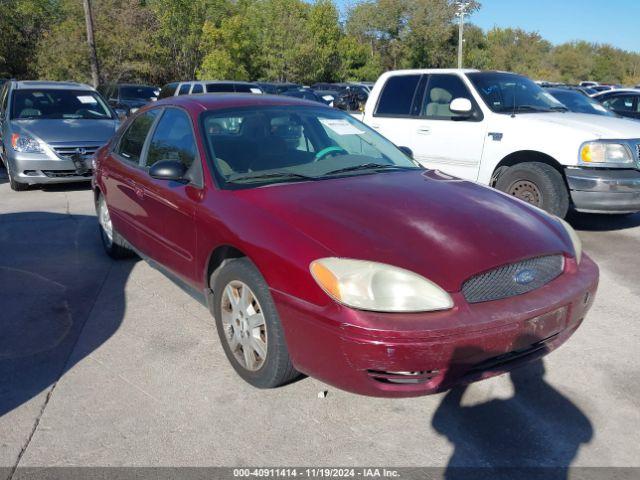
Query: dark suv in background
column 128, row 97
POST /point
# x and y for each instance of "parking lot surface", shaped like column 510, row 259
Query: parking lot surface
column 106, row 363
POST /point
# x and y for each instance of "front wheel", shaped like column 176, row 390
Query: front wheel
column 249, row 326
column 13, row 183
column 538, row 184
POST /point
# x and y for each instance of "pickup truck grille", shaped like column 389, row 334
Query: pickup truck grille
column 513, row 279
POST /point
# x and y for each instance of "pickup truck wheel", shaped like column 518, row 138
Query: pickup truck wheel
column 249, row 326
column 538, row 184
column 113, row 243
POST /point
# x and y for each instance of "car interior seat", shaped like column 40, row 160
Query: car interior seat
column 439, row 100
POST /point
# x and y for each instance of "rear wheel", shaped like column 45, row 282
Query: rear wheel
column 249, row 326
column 538, row 184
column 113, row 243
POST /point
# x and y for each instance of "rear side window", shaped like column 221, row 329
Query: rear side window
column 197, row 88
column 397, row 95
column 172, row 139
column 184, row 89
column 220, row 88
column 242, row 88
column 131, row 143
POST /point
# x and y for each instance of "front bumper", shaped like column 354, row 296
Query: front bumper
column 401, row 355
column 596, row 190
column 38, row 169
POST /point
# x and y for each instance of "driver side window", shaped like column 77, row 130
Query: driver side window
column 440, row 92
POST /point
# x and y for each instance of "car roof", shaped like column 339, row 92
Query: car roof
column 616, row 91
column 433, row 70
column 28, row 84
column 219, row 101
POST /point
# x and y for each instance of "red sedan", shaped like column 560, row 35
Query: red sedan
column 321, row 248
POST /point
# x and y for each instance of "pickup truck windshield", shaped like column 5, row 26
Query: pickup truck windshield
column 510, row 93
column 58, row 104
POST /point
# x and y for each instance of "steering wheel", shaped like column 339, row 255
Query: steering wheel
column 326, row 151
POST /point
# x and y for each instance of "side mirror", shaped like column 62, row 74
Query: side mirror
column 121, row 113
column 168, row 170
column 461, row 106
column 407, row 151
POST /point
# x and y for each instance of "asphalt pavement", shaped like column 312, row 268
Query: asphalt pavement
column 106, row 363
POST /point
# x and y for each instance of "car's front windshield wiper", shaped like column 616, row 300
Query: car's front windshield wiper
column 559, row 108
column 528, row 108
column 369, row 166
column 244, row 177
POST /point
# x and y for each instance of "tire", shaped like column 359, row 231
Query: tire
column 538, row 184
column 15, row 185
column 274, row 367
column 114, row 245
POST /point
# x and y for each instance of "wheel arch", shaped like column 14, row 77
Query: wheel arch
column 524, row 156
column 217, row 257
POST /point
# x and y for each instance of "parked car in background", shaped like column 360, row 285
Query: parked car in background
column 49, row 131
column 624, row 102
column 197, row 87
column 503, row 130
column 602, row 88
column 128, row 97
column 579, row 102
column 168, row 90
column 351, row 99
column 305, row 93
column 275, row 88
column 318, row 273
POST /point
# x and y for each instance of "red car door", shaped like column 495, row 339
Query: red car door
column 170, row 206
column 121, row 174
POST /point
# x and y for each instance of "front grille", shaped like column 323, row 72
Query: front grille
column 66, row 173
column 513, row 279
column 68, row 151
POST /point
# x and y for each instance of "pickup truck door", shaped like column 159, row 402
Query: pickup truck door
column 443, row 140
column 413, row 111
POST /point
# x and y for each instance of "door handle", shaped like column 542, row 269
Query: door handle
column 424, row 130
column 139, row 191
column 375, row 126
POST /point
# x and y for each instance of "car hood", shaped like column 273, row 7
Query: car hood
column 593, row 127
column 68, row 130
column 440, row 227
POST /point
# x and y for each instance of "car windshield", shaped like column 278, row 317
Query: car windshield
column 254, row 146
column 134, row 92
column 579, row 103
column 58, row 104
column 511, row 93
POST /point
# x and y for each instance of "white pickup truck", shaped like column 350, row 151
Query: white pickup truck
column 503, row 130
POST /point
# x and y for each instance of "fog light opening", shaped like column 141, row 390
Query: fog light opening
column 403, row 377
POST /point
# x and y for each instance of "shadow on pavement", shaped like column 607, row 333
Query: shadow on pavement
column 535, row 434
column 66, row 187
column 592, row 222
column 3, row 175
column 52, row 270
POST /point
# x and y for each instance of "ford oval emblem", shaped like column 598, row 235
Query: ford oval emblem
column 525, row 277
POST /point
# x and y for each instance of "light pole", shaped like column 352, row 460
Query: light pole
column 460, row 12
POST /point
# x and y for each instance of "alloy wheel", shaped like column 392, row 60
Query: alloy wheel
column 105, row 220
column 245, row 329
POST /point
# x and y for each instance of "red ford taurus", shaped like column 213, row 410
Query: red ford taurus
column 321, row 248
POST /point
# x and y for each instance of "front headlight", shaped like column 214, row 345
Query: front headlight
column 25, row 144
column 596, row 153
column 378, row 287
column 575, row 239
